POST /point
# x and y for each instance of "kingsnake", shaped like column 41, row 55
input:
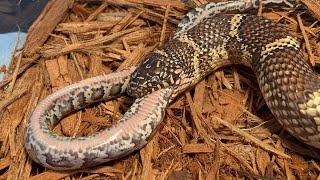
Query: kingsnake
column 202, row 44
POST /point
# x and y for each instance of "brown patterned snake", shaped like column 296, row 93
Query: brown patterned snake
column 202, row 44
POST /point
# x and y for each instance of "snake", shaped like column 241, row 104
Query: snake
column 206, row 39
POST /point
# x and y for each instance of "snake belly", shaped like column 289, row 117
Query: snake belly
column 130, row 133
column 289, row 86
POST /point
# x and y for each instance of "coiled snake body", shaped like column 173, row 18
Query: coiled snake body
column 289, row 86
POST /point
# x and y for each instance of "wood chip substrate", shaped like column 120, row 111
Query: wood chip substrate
column 220, row 129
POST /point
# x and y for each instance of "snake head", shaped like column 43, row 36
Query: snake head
column 155, row 73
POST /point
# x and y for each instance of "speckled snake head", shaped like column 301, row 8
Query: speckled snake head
column 155, row 73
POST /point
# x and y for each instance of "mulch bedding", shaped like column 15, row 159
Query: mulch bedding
column 221, row 128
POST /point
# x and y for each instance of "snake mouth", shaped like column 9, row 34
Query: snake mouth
column 139, row 91
column 141, row 84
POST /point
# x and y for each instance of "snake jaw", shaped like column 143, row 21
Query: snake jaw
column 153, row 74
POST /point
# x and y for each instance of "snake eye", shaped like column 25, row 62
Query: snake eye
column 155, row 79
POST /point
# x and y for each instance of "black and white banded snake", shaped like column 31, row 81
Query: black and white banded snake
column 202, row 44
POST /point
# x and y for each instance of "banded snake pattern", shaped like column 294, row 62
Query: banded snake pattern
column 204, row 41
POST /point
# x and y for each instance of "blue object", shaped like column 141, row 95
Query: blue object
column 7, row 44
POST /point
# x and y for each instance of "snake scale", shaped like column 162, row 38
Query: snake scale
column 204, row 42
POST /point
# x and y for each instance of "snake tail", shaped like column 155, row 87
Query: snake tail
column 130, row 133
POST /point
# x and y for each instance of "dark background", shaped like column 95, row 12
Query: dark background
column 15, row 14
